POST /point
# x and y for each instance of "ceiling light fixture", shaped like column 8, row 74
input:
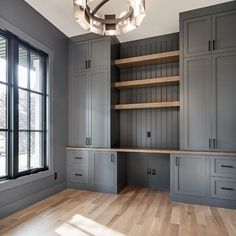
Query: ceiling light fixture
column 109, row 24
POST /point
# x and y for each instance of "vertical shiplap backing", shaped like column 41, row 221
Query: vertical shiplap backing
column 162, row 123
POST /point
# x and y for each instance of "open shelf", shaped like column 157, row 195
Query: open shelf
column 147, row 82
column 164, row 57
column 151, row 105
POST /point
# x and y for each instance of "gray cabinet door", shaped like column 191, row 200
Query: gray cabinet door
column 224, row 106
column 79, row 56
column 197, row 103
column 104, row 169
column 100, row 115
column 79, row 109
column 197, row 34
column 224, row 31
column 190, row 175
column 99, row 53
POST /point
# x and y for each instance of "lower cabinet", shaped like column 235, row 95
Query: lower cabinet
column 190, row 175
column 208, row 180
column 95, row 171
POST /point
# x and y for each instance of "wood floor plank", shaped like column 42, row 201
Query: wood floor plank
column 135, row 211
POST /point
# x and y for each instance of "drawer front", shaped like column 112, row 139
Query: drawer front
column 223, row 166
column 78, row 176
column 79, row 159
column 223, row 188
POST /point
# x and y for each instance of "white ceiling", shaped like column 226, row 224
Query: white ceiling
column 162, row 16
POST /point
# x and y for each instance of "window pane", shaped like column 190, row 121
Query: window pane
column 36, row 150
column 35, row 72
column 3, row 154
column 36, row 111
column 23, row 109
column 3, row 106
column 23, row 68
column 23, row 151
column 3, row 58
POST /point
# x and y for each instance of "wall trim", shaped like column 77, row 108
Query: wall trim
column 25, row 202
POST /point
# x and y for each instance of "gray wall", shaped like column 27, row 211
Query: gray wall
column 26, row 19
column 163, row 123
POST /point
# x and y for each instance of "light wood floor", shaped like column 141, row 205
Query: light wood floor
column 135, row 211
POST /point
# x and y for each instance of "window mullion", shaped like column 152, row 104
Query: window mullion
column 15, row 113
column 29, row 108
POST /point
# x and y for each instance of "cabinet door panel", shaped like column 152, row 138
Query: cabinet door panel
column 197, row 33
column 224, row 113
column 99, row 54
column 79, row 110
column 190, row 175
column 79, row 55
column 197, row 103
column 224, row 31
column 104, row 164
column 100, row 120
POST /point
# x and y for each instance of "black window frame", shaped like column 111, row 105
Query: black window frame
column 13, row 44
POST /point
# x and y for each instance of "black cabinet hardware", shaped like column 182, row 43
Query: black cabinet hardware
column 86, row 64
column 78, row 158
column 78, row 175
column 149, row 171
column 209, row 45
column 214, row 143
column 214, row 45
column 230, row 189
column 225, row 166
column 210, row 143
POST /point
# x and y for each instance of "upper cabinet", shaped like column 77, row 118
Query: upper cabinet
column 224, row 31
column 208, row 84
column 209, row 34
column 197, row 36
column 90, row 98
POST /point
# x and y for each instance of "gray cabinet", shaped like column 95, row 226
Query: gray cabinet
column 208, row 70
column 104, row 169
column 224, row 107
column 197, row 36
column 207, row 180
column 89, row 93
column 197, row 103
column 224, row 31
column 96, row 170
column 190, row 175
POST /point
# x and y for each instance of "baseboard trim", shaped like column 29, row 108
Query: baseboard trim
column 25, row 202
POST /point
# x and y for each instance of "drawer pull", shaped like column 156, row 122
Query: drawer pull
column 225, row 166
column 230, row 189
column 79, row 158
column 78, row 175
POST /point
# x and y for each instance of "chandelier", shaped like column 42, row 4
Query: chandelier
column 109, row 24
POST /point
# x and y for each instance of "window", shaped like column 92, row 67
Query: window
column 23, row 108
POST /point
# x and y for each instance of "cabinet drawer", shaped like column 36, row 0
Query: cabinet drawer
column 79, row 159
column 223, row 166
column 223, row 188
column 78, row 176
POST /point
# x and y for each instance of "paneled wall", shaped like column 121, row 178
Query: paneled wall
column 162, row 123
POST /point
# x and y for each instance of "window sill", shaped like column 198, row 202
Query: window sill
column 14, row 183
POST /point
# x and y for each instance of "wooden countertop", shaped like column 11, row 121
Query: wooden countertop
column 154, row 150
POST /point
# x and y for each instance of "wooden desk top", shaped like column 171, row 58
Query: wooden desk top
column 154, row 151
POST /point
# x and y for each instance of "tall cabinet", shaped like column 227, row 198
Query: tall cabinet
column 208, row 82
column 90, row 98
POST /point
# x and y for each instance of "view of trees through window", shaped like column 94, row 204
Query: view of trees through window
column 27, row 94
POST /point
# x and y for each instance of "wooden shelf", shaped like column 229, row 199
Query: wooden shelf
column 147, row 105
column 147, row 82
column 165, row 57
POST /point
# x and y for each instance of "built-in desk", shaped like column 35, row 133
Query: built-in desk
column 154, row 151
column 200, row 177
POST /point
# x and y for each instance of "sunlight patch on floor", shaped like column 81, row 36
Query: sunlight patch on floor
column 82, row 226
